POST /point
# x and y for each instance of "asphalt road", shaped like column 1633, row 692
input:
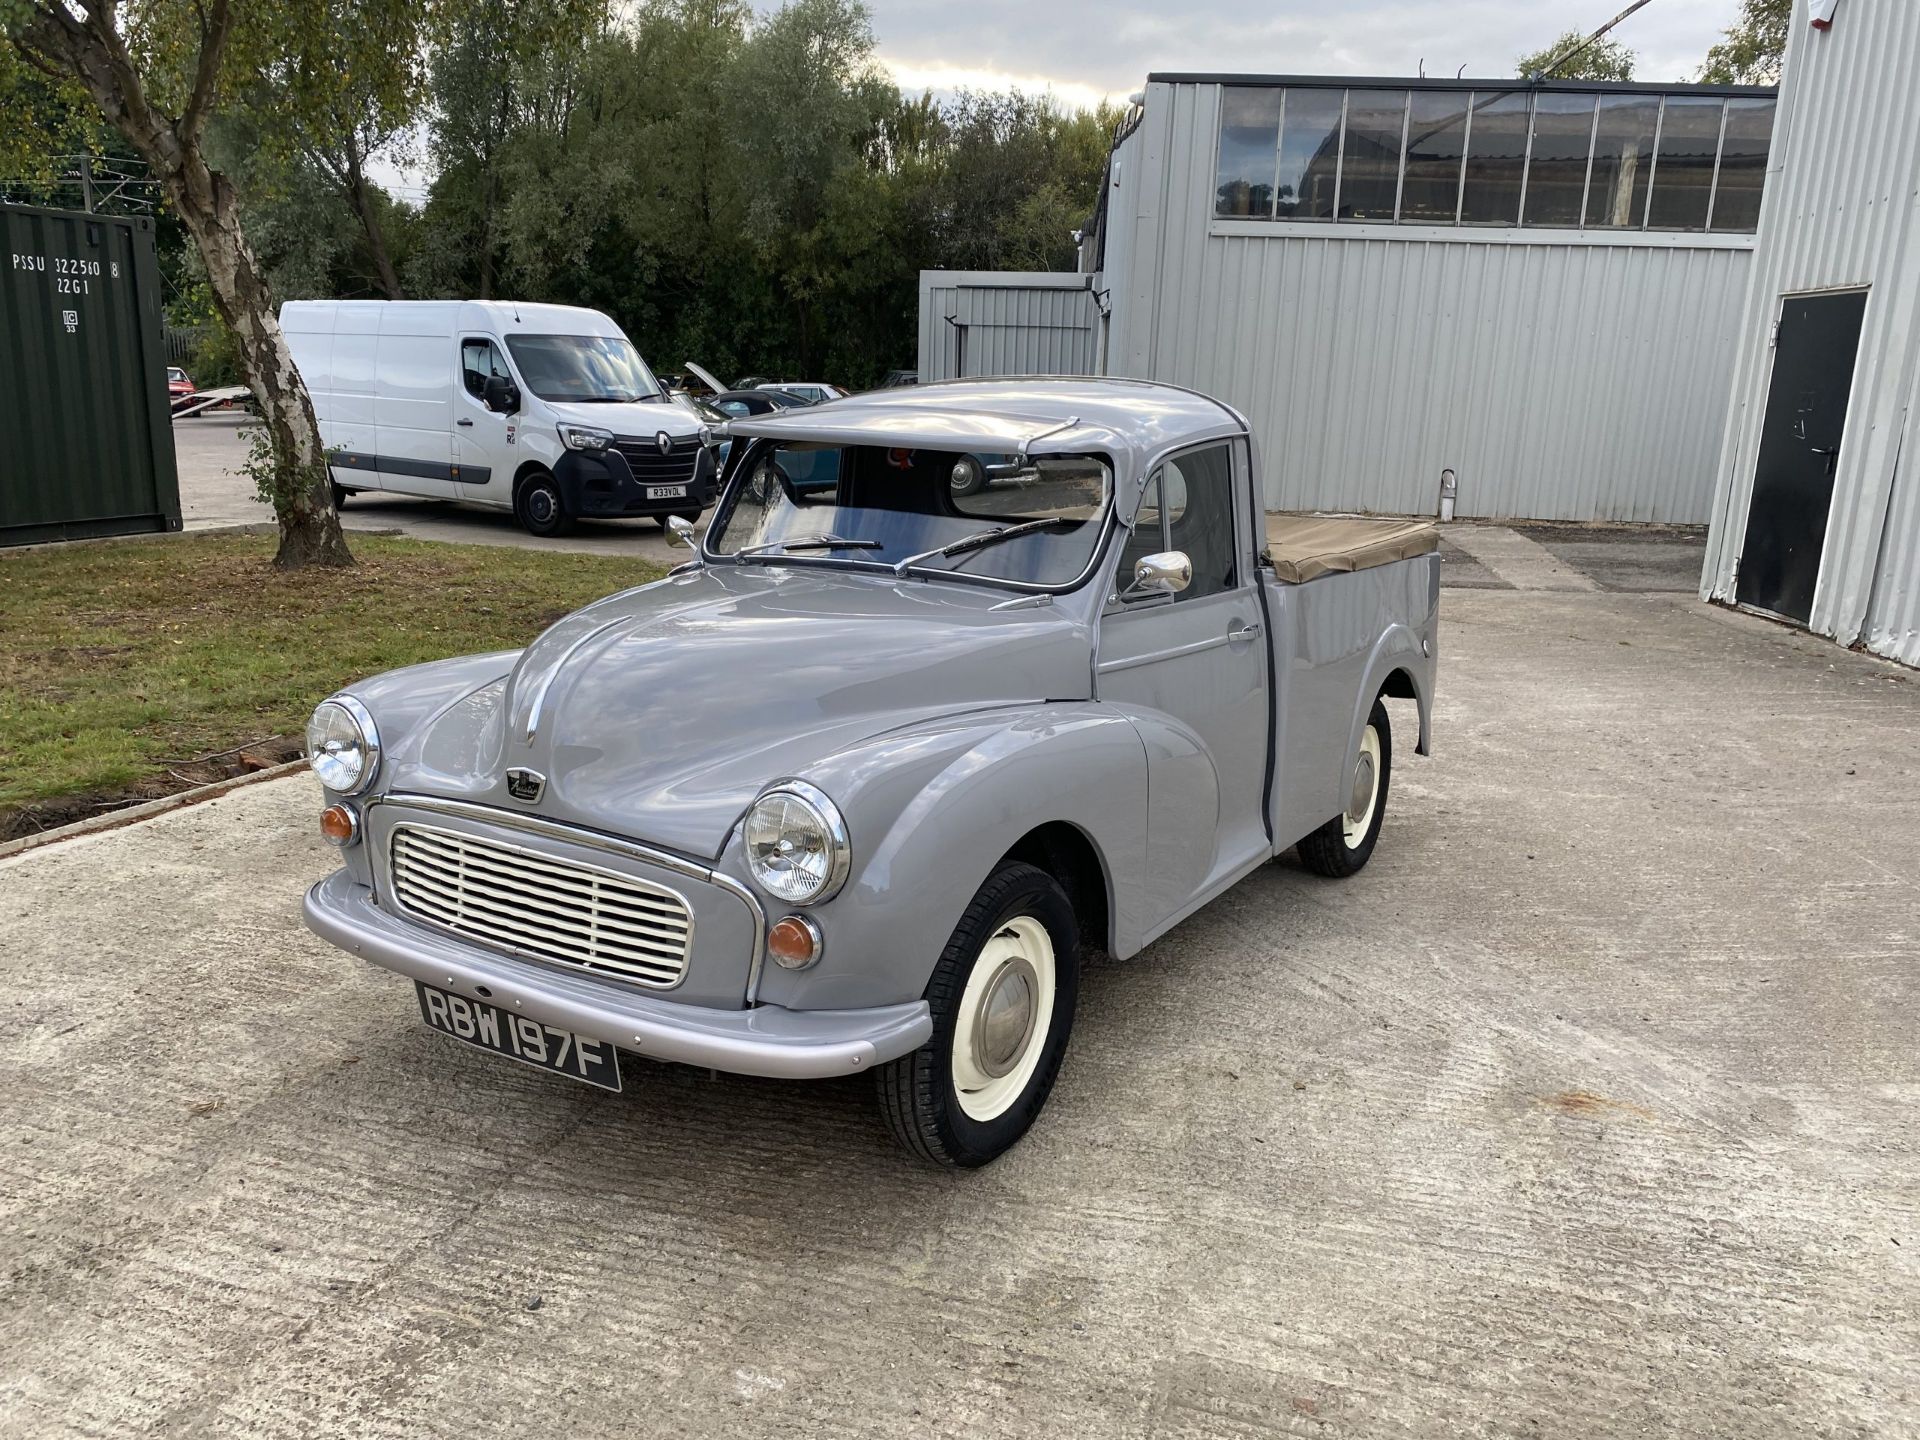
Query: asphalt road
column 1589, row 1109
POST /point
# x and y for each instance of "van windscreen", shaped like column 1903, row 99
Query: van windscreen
column 585, row 369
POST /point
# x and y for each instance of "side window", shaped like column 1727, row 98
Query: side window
column 1198, row 490
column 479, row 360
column 735, row 407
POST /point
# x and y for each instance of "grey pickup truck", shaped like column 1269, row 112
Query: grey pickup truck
column 857, row 787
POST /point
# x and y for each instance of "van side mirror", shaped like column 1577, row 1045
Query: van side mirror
column 501, row 395
column 1167, row 573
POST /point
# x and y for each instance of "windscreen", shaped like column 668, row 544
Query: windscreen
column 999, row 519
column 586, row 369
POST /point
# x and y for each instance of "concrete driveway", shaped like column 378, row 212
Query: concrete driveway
column 1589, row 1109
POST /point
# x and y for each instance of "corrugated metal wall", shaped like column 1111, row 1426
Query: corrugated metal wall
column 89, row 446
column 976, row 323
column 1840, row 211
column 1560, row 378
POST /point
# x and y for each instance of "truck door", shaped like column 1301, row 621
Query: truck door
column 485, row 441
column 1194, row 667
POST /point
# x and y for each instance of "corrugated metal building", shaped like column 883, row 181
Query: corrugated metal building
column 1536, row 287
column 1007, row 322
column 1816, row 520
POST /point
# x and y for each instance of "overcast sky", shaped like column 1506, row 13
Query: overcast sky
column 1084, row 50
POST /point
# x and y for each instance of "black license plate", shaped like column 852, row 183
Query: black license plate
column 520, row 1037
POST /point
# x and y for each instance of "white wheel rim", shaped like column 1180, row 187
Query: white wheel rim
column 1354, row 827
column 1005, row 1014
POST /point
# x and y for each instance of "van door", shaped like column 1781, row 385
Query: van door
column 484, row 441
column 413, row 403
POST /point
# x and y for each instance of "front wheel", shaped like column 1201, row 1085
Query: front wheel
column 1345, row 843
column 538, row 507
column 1002, row 998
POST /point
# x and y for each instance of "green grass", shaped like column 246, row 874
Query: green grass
column 118, row 662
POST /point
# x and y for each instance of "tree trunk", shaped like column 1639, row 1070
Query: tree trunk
column 302, row 498
column 364, row 208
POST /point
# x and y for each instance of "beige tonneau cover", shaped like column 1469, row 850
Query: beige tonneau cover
column 1304, row 547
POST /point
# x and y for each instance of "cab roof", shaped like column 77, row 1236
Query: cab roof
column 1132, row 421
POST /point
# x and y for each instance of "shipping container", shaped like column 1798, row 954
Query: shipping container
column 83, row 369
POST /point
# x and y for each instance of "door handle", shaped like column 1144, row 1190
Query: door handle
column 1249, row 631
column 463, row 422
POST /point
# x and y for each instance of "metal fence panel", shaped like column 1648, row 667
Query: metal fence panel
column 980, row 323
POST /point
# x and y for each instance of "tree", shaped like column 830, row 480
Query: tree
column 1602, row 60
column 1754, row 44
column 156, row 70
column 339, row 106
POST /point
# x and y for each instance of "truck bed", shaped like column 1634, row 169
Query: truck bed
column 1354, row 606
column 1305, row 547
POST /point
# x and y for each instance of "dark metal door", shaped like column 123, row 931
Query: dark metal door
column 1799, row 451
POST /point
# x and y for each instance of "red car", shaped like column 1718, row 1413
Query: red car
column 179, row 386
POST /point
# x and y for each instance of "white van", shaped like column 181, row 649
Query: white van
column 544, row 410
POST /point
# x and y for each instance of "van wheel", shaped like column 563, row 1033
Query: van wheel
column 1002, row 998
column 538, row 507
column 1345, row 843
column 340, row 493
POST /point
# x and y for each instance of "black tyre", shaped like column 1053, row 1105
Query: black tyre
column 1002, row 998
column 538, row 507
column 1345, row 843
column 340, row 493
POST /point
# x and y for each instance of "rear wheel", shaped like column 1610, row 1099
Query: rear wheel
column 1345, row 843
column 1002, row 998
column 340, row 493
column 538, row 507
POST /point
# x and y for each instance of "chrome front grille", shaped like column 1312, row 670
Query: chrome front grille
column 534, row 905
column 650, row 467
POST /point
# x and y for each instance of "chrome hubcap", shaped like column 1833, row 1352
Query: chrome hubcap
column 1362, row 796
column 1004, row 1021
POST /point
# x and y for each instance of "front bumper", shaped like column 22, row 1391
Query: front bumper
column 604, row 484
column 765, row 1040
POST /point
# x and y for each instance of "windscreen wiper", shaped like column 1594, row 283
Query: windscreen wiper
column 985, row 537
column 812, row 542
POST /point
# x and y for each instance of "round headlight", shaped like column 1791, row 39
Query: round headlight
column 797, row 848
column 342, row 745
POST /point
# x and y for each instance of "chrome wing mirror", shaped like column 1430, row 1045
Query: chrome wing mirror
column 1167, row 573
column 680, row 531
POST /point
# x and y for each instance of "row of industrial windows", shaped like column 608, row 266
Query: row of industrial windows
column 1608, row 161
